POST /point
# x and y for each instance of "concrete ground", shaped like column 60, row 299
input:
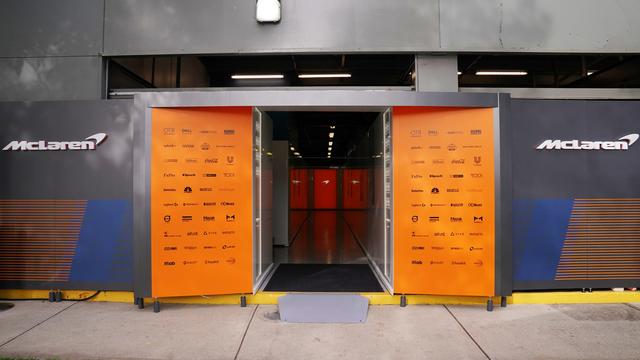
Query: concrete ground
column 85, row 330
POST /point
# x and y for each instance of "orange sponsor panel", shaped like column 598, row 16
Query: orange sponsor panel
column 201, row 201
column 444, row 201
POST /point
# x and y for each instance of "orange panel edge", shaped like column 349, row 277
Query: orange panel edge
column 444, row 201
column 201, row 201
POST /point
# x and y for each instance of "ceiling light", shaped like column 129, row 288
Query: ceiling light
column 257, row 77
column 328, row 156
column 590, row 72
column 329, row 148
column 330, row 143
column 331, row 134
column 459, row 72
column 296, row 153
column 292, row 148
column 502, row 73
column 323, row 76
column 268, row 11
column 332, row 127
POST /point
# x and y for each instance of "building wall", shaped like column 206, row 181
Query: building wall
column 52, row 50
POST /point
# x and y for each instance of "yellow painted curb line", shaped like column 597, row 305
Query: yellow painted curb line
column 271, row 298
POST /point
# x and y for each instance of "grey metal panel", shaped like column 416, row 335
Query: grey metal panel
column 436, row 73
column 540, row 25
column 32, row 28
column 137, row 27
column 560, row 93
column 504, row 198
column 281, row 193
column 51, row 78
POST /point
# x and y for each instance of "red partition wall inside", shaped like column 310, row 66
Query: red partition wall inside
column 355, row 188
column 298, row 189
column 325, row 188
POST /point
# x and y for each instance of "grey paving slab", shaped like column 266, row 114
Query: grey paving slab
column 390, row 332
column 121, row 331
column 323, row 308
column 578, row 331
column 24, row 315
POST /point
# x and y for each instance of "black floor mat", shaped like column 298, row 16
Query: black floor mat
column 324, row 278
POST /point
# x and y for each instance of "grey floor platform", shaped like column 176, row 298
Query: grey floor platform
column 119, row 331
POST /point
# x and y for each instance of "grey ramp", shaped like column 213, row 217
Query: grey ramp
column 323, row 308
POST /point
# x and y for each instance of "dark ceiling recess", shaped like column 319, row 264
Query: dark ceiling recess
column 308, row 134
column 549, row 71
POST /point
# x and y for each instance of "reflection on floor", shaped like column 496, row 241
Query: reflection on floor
column 323, row 237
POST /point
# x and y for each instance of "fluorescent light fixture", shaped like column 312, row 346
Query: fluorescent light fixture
column 590, row 72
column 323, row 76
column 328, row 156
column 331, row 134
column 257, row 76
column 330, row 143
column 268, row 11
column 332, row 127
column 329, row 148
column 296, row 153
column 502, row 73
column 292, row 148
column 459, row 72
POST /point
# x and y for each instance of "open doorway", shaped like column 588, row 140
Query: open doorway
column 334, row 183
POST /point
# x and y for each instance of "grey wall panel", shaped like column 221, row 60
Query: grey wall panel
column 31, row 28
column 540, row 25
column 205, row 26
column 50, row 78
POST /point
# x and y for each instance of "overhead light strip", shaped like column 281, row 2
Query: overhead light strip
column 501, row 73
column 323, row 76
column 257, row 77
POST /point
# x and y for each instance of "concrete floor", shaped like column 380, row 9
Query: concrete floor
column 87, row 330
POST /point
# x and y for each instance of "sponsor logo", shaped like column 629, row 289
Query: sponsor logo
column 453, row 190
column 229, row 132
column 205, row 146
column 435, row 190
column 437, row 205
column 230, row 218
column 478, row 263
column 209, row 175
column 225, row 146
column 474, row 248
column 472, row 204
column 439, row 234
column 170, row 204
column 188, row 190
column 418, row 204
column 188, row 174
column 227, row 203
column 434, row 262
column 168, row 175
column 230, row 159
column 416, row 176
column 208, row 131
column 208, row 218
column 190, row 204
column 453, row 233
column 437, row 248
column 477, row 160
column 415, row 133
column 475, row 132
column 416, row 148
column 455, row 132
column 416, row 262
column 417, row 190
column 168, row 189
column 190, row 247
column 414, row 218
column 457, row 204
column 211, row 161
column 187, row 218
column 225, row 247
column 170, row 248
column 452, row 147
column 434, row 218
column 437, row 161
column 476, row 175
column 168, row 146
column 169, row 131
column 417, row 248
column 167, row 218
column 475, row 234
column 211, row 262
column 478, row 219
column 457, row 161
column 188, row 146
column 435, row 147
column 228, row 232
column 90, row 143
column 186, row 131
column 189, row 262
column 209, row 203
column 417, row 161
column 206, row 189
column 458, row 262
column 455, row 219
column 169, row 263
column 191, row 161
column 622, row 143
column 231, row 261
column 171, row 160
column 192, row 233
column 169, row 235
column 456, row 248
column 456, row 176
column 435, row 176
column 229, row 174
column 472, row 146
column 433, row 132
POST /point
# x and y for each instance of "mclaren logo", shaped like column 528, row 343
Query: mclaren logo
column 90, row 143
column 621, row 144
